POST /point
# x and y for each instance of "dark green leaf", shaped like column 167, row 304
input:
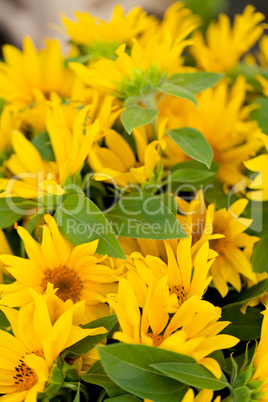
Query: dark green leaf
column 175, row 90
column 43, row 145
column 260, row 256
column 247, row 295
column 96, row 375
column 88, row 343
column 123, row 398
column 136, row 116
column 195, row 82
column 193, row 144
column 192, row 374
column 244, row 326
column 12, row 209
column 81, row 221
column 129, row 366
column 144, row 216
column 188, row 175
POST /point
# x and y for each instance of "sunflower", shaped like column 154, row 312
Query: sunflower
column 29, row 75
column 138, row 73
column 75, row 272
column 100, row 38
column 186, row 276
column 225, row 230
column 40, row 334
column 4, row 249
column 224, row 44
column 260, row 182
column 193, row 330
column 223, row 120
column 203, row 396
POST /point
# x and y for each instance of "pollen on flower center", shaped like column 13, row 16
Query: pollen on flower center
column 179, row 292
column 25, row 378
column 66, row 280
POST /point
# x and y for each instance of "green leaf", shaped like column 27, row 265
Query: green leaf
column 4, row 323
column 175, row 90
column 88, row 343
column 246, row 327
column 195, row 82
column 261, row 115
column 123, row 398
column 130, row 367
column 54, row 382
column 245, row 296
column 81, row 221
column 192, row 374
column 241, row 394
column 193, row 144
column 12, row 209
column 136, row 116
column 188, row 175
column 43, row 145
column 260, row 256
column 96, row 375
column 144, row 216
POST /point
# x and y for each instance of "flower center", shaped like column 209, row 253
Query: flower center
column 25, row 378
column 157, row 339
column 67, row 281
column 179, row 292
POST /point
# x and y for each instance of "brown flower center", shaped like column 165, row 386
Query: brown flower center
column 25, row 378
column 157, row 339
column 179, row 292
column 67, row 281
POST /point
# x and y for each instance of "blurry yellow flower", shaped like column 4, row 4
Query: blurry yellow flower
column 193, row 330
column 202, row 396
column 224, row 44
column 138, row 73
column 224, row 229
column 4, row 249
column 75, row 272
column 98, row 34
column 223, row 120
column 260, row 182
column 29, row 75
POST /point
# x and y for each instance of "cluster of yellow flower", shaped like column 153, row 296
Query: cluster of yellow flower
column 188, row 106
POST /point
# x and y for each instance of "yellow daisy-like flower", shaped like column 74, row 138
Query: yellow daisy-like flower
column 225, row 230
column 260, row 182
column 75, row 272
column 28, row 75
column 193, row 330
column 4, row 249
column 223, row 120
column 224, row 44
column 186, row 276
column 33, row 175
column 137, row 73
column 40, row 335
column 118, row 163
column 203, row 396
column 98, row 34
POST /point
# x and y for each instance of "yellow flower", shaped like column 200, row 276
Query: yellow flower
column 260, row 360
column 202, row 396
column 28, row 75
column 223, row 45
column 260, row 182
column 138, row 73
column 186, row 276
column 224, row 122
column 9, row 121
column 224, row 229
column 33, row 175
column 193, row 330
column 99, row 35
column 4, row 249
column 117, row 161
column 75, row 271
column 42, row 330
